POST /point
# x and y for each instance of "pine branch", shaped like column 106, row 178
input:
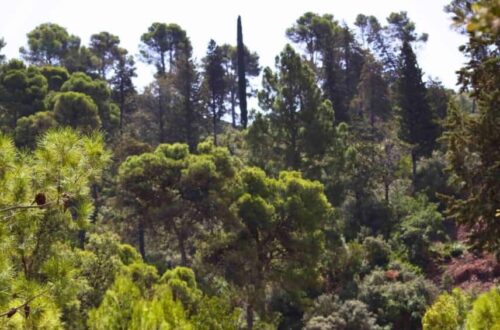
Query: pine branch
column 24, row 305
column 18, row 207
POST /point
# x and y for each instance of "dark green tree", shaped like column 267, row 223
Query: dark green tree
column 215, row 84
column 56, row 76
column 22, row 90
column 187, row 120
column 242, row 81
column 334, row 55
column 416, row 121
column 49, row 44
column 372, row 101
column 301, row 124
column 121, row 82
column 100, row 93
column 472, row 139
column 77, row 110
column 104, row 47
column 276, row 239
column 252, row 69
column 30, row 128
column 162, row 44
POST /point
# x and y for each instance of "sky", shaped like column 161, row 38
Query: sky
column 264, row 24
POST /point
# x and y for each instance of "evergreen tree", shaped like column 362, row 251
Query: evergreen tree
column 104, row 48
column 121, row 82
column 242, row 81
column 215, row 84
column 301, row 124
column 22, row 91
column 252, row 69
column 473, row 139
column 417, row 125
column 49, row 44
column 372, row 100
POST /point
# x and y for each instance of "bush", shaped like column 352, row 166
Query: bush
column 485, row 313
column 377, row 251
column 329, row 312
column 447, row 312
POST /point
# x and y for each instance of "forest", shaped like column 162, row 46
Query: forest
column 335, row 190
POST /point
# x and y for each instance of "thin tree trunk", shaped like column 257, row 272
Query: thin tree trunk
column 214, row 119
column 386, row 192
column 414, row 168
column 182, row 250
column 249, row 316
column 161, row 136
column 141, row 233
column 122, row 106
column 233, row 108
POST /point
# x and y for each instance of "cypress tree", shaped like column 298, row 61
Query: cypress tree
column 242, row 82
column 415, row 118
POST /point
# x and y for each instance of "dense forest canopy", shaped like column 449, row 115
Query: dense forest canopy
column 356, row 195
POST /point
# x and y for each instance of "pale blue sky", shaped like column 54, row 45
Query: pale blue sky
column 264, row 24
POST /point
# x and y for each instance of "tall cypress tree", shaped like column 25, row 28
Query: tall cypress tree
column 242, row 81
column 415, row 118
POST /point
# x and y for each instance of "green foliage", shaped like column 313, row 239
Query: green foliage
column 56, row 76
column 101, row 95
column 300, row 132
column 176, row 190
column 29, row 128
column 49, row 44
column 22, row 90
column 45, row 200
column 420, row 225
column 398, row 297
column 329, row 312
column 377, row 251
column 485, row 312
column 77, row 110
column 416, row 120
column 163, row 44
column 448, row 312
column 173, row 302
column 248, row 254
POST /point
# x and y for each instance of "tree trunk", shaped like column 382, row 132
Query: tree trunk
column 414, row 168
column 214, row 119
column 182, row 249
column 81, row 237
column 122, row 106
column 386, row 192
column 233, row 108
column 160, row 117
column 249, row 316
column 140, row 233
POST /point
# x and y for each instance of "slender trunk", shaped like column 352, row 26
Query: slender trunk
column 160, row 116
column 233, row 108
column 386, row 192
column 81, row 237
column 414, row 167
column 122, row 106
column 141, row 232
column 95, row 197
column 249, row 316
column 214, row 119
column 182, row 250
